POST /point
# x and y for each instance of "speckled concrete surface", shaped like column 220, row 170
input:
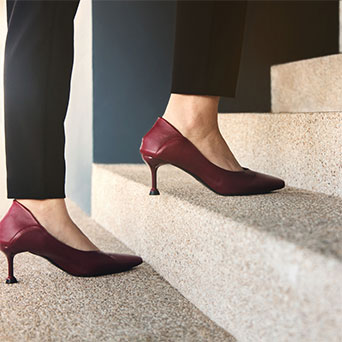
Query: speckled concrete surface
column 266, row 268
column 303, row 148
column 49, row 305
column 311, row 85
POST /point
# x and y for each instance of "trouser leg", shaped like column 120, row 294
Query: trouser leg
column 207, row 50
column 37, row 73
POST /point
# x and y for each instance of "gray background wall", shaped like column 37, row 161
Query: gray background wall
column 133, row 46
column 133, row 51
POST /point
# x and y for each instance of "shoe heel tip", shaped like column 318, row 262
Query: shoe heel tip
column 11, row 280
column 154, row 192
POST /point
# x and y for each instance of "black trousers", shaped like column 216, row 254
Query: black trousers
column 37, row 72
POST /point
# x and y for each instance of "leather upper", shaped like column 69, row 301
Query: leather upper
column 166, row 143
column 21, row 232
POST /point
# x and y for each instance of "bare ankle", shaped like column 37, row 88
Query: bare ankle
column 43, row 206
column 193, row 115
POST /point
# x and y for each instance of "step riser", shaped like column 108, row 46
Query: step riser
column 245, row 283
column 303, row 149
column 313, row 85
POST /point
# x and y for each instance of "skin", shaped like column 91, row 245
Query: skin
column 195, row 116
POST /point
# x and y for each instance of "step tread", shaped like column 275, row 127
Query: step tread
column 308, row 219
column 138, row 305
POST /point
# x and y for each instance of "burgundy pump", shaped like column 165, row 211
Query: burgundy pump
column 164, row 144
column 21, row 232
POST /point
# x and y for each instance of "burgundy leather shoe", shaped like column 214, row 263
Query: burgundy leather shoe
column 21, row 232
column 164, row 144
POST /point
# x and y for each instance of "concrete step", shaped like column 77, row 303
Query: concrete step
column 302, row 148
column 311, row 85
column 50, row 305
column 265, row 268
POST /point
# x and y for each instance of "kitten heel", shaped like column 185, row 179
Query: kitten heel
column 11, row 279
column 153, row 163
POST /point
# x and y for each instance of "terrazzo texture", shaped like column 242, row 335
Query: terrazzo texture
column 303, row 148
column 49, row 305
column 311, row 85
column 265, row 268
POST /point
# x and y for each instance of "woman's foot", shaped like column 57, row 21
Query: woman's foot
column 195, row 116
column 53, row 215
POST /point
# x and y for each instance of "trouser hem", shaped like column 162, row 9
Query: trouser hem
column 13, row 195
column 209, row 92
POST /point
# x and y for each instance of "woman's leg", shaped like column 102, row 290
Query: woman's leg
column 38, row 66
column 208, row 43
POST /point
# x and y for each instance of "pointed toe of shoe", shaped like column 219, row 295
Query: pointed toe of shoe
column 280, row 184
column 272, row 183
column 127, row 261
column 134, row 260
column 276, row 183
column 131, row 261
